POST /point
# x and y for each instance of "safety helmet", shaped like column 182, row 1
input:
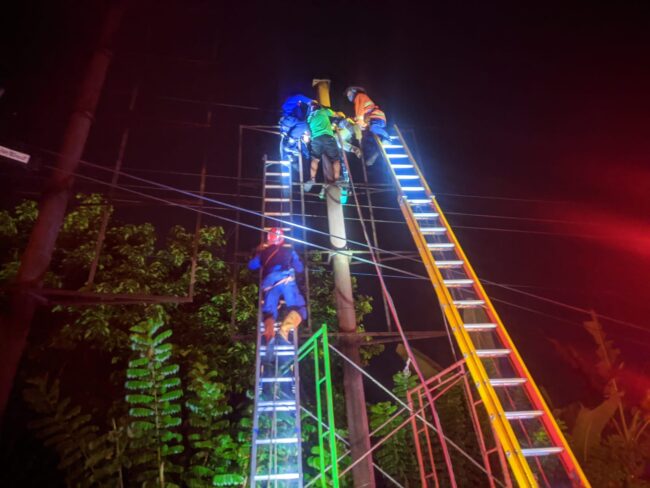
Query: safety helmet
column 351, row 92
column 275, row 236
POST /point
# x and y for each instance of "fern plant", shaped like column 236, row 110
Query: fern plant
column 155, row 407
column 86, row 458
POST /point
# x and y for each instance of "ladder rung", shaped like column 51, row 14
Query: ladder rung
column 407, row 177
column 279, row 348
column 468, row 303
column 280, row 379
column 279, row 476
column 277, row 406
column 275, row 173
column 287, row 163
column 496, row 382
column 275, row 409
column 459, row 282
column 417, row 201
column 287, row 229
column 278, row 214
column 412, row 188
column 440, row 245
column 401, row 166
column 277, row 199
column 433, row 230
column 280, row 403
column 541, row 451
column 524, row 414
column 394, row 137
column 278, row 440
column 397, row 156
column 284, row 353
column 427, row 215
column 392, row 146
column 272, row 186
column 479, row 327
column 492, row 353
column 449, row 264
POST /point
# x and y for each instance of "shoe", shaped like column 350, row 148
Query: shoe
column 321, row 195
column 309, row 185
column 344, row 195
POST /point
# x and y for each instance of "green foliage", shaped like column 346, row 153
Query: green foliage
column 86, row 457
column 153, row 431
column 219, row 448
column 589, row 425
column 611, row 440
column 204, row 361
column 397, row 455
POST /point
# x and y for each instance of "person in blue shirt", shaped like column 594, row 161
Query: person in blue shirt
column 293, row 126
column 279, row 266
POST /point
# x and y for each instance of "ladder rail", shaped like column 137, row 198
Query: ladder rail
column 567, row 457
column 503, row 428
column 477, row 370
column 258, row 362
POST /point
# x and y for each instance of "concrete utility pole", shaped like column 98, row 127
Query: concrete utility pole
column 14, row 328
column 355, row 398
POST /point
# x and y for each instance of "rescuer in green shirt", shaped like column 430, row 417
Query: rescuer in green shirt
column 322, row 142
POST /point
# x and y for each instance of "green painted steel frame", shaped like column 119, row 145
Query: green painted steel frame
column 319, row 343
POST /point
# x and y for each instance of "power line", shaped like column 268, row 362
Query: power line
column 173, row 189
column 505, row 302
column 566, row 305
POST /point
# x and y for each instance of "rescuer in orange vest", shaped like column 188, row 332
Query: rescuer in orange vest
column 370, row 118
column 279, row 266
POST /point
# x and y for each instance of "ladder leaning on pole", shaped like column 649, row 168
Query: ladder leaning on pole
column 276, row 458
column 536, row 449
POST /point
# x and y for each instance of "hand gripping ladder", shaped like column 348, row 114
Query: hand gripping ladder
column 276, row 458
column 537, row 452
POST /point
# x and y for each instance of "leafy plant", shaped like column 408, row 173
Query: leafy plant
column 87, row 458
column 154, row 405
column 611, row 440
column 217, row 456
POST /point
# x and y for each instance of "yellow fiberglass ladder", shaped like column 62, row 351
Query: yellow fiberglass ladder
column 537, row 452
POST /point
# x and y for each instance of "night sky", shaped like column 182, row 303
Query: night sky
column 537, row 113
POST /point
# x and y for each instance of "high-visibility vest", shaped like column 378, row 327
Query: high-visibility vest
column 365, row 109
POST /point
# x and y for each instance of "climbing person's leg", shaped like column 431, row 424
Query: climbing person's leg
column 297, row 310
column 270, row 311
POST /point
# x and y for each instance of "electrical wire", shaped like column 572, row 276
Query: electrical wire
column 288, row 223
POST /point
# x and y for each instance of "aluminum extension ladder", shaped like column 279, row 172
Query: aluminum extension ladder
column 537, row 452
column 276, row 457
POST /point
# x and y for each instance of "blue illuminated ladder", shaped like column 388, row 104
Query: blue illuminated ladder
column 276, row 457
column 536, row 449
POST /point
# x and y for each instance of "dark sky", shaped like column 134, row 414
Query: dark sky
column 535, row 112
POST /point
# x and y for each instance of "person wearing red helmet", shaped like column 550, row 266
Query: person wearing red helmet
column 279, row 265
